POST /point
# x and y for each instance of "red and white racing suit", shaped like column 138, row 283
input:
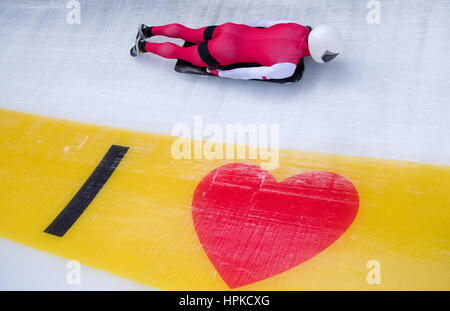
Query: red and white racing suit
column 277, row 48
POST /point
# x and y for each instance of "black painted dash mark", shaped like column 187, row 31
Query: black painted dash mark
column 69, row 215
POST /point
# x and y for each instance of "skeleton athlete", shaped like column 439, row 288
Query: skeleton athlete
column 277, row 46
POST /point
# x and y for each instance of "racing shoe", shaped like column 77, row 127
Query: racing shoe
column 144, row 31
column 139, row 47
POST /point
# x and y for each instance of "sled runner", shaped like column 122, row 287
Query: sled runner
column 183, row 66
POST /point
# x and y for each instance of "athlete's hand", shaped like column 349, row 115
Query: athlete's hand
column 212, row 71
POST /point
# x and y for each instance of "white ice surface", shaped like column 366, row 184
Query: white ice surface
column 386, row 97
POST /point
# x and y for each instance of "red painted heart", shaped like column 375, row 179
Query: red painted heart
column 252, row 227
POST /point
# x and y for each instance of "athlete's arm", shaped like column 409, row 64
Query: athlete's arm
column 277, row 71
column 270, row 23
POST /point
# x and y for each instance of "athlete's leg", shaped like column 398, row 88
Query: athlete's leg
column 181, row 32
column 173, row 51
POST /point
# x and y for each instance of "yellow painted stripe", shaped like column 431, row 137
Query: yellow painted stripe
column 140, row 225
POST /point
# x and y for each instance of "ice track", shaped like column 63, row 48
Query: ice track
column 386, row 97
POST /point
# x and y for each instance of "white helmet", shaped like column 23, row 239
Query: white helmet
column 325, row 43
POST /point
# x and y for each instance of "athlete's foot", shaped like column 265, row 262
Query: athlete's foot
column 139, row 47
column 145, row 31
